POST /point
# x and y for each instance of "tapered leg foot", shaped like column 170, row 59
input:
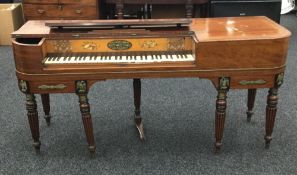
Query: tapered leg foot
column 48, row 119
column 139, row 127
column 217, row 148
column 250, row 103
column 267, row 141
column 46, row 108
column 32, row 114
column 37, row 145
column 271, row 109
column 137, row 100
column 92, row 149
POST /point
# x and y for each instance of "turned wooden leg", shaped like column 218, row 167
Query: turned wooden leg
column 221, row 105
column 120, row 9
column 33, row 119
column 189, row 9
column 271, row 109
column 250, row 103
column 81, row 90
column 45, row 98
column 137, row 101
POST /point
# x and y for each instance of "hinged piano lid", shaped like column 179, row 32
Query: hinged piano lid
column 59, row 29
column 205, row 29
column 122, row 24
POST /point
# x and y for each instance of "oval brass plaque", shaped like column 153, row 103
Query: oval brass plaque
column 119, row 45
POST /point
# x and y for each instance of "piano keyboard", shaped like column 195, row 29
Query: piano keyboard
column 82, row 59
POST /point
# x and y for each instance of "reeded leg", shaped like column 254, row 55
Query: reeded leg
column 87, row 120
column 250, row 103
column 189, row 9
column 120, row 9
column 82, row 91
column 271, row 109
column 137, row 100
column 220, row 118
column 33, row 119
column 45, row 98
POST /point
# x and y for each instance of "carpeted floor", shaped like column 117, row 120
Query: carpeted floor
column 178, row 116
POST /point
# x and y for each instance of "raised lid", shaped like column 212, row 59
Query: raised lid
column 146, row 23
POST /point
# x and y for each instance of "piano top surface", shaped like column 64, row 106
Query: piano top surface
column 206, row 29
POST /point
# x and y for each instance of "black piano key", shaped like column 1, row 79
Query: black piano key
column 91, row 56
column 69, row 57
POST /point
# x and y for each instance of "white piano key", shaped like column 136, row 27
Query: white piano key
column 50, row 60
column 190, row 57
column 124, row 59
column 112, row 59
column 73, row 58
column 87, row 59
column 163, row 57
column 138, row 58
column 92, row 59
column 174, row 57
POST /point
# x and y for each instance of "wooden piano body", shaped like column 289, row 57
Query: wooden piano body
column 234, row 53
